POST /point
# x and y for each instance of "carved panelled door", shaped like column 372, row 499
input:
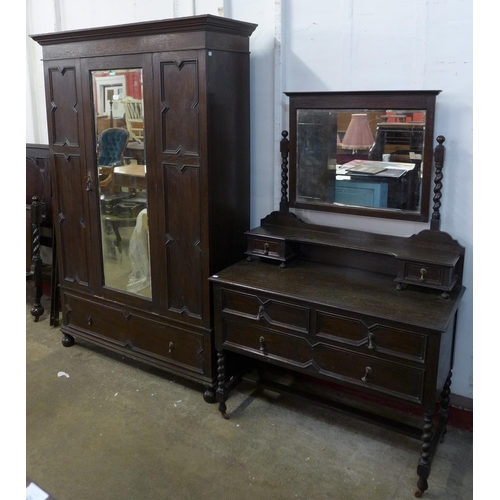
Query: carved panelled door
column 69, row 172
column 182, row 201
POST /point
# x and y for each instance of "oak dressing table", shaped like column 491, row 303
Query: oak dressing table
column 371, row 312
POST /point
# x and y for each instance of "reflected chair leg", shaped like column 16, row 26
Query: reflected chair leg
column 118, row 241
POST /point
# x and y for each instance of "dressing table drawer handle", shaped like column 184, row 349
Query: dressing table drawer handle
column 368, row 372
column 371, row 345
column 89, row 320
column 170, row 347
column 266, row 248
column 260, row 314
column 423, row 272
column 262, row 342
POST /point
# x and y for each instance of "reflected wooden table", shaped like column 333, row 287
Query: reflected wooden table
column 131, row 176
column 135, row 150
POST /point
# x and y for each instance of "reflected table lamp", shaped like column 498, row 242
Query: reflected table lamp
column 358, row 134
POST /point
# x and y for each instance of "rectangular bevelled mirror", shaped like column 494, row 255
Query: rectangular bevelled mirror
column 363, row 153
column 121, row 164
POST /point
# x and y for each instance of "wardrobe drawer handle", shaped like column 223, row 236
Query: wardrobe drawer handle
column 423, row 272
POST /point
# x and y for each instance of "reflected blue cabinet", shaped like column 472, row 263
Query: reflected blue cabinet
column 363, row 194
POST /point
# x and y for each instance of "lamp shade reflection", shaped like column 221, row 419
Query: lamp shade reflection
column 358, row 134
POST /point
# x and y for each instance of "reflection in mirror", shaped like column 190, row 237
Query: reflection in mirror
column 119, row 127
column 360, row 157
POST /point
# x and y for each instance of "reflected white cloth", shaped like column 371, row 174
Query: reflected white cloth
column 140, row 277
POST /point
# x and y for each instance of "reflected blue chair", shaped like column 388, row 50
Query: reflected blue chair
column 112, row 144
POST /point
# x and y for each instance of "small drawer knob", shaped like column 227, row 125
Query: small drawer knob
column 90, row 320
column 423, row 272
column 266, row 248
column 170, row 347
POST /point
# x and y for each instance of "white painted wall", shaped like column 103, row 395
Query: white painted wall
column 321, row 45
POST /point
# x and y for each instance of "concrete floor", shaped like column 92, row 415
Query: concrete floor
column 113, row 429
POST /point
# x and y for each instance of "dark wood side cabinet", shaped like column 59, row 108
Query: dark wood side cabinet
column 37, row 184
column 135, row 279
column 39, row 228
column 370, row 312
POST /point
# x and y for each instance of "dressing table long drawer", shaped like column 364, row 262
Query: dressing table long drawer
column 321, row 342
column 391, row 378
column 319, row 325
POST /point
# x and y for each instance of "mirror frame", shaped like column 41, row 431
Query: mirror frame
column 424, row 100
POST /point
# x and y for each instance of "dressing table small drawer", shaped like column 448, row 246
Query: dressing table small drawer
column 423, row 274
column 274, row 249
column 267, row 247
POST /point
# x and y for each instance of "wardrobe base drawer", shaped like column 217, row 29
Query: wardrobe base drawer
column 117, row 326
